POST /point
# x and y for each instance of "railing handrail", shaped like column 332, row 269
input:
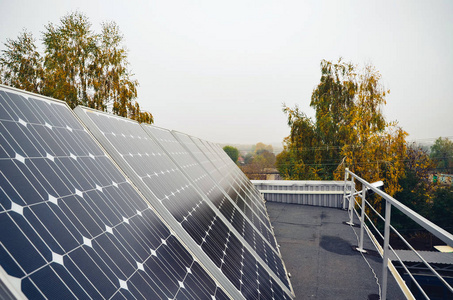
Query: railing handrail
column 439, row 232
column 389, row 201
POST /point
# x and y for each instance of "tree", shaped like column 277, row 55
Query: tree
column 442, row 155
column 232, row 152
column 111, row 80
column 349, row 130
column 260, row 147
column 256, row 164
column 70, row 49
column 442, row 210
column 417, row 191
column 419, row 163
column 21, row 64
column 433, row 201
column 268, row 159
column 300, row 158
column 248, row 158
column 79, row 67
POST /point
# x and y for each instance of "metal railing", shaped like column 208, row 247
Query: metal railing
column 351, row 197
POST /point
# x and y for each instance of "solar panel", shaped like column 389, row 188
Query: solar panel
column 72, row 226
column 183, row 206
column 220, row 199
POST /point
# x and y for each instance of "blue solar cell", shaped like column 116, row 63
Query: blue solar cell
column 65, row 287
column 6, row 112
column 19, row 137
column 81, row 216
column 50, row 177
column 22, row 109
column 49, row 226
column 20, row 239
column 91, row 272
column 143, row 285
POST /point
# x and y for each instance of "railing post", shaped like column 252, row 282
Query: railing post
column 362, row 221
column 388, row 208
column 351, row 200
column 346, row 175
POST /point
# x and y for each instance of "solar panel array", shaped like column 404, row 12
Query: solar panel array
column 98, row 206
column 72, row 226
column 221, row 200
column 259, row 238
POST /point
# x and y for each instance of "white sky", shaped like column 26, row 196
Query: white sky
column 220, row 70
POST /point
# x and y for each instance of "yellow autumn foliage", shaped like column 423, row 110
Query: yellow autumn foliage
column 349, row 131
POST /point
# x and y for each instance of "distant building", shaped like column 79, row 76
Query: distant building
column 266, row 174
column 272, row 174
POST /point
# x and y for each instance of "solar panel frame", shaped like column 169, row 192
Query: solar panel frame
column 219, row 151
column 9, row 289
column 59, row 143
column 259, row 199
column 239, row 177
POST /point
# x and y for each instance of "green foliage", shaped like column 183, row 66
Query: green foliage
column 268, row 158
column 435, row 202
column 232, row 152
column 442, row 155
column 349, row 130
column 416, row 189
column 80, row 67
column 442, row 208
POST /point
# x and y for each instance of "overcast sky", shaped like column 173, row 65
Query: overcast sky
column 220, row 70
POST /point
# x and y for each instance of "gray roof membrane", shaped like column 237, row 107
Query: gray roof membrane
column 318, row 251
column 431, row 257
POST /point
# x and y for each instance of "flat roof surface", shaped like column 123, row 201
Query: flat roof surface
column 431, row 257
column 317, row 249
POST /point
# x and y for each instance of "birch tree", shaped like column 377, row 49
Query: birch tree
column 21, row 64
column 79, row 66
column 349, row 130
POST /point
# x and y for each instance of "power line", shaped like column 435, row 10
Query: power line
column 431, row 139
column 334, row 147
column 334, row 162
